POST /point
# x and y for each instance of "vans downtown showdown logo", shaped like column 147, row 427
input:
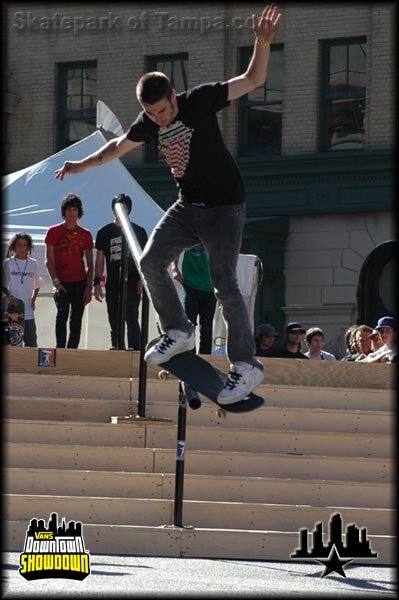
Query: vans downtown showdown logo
column 55, row 551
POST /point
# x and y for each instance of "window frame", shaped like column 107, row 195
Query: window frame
column 151, row 153
column 325, row 98
column 63, row 114
column 245, row 54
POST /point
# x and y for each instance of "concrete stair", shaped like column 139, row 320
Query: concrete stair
column 252, row 481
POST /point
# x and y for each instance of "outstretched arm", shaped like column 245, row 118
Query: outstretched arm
column 265, row 28
column 111, row 150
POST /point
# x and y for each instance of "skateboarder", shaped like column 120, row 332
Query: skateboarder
column 22, row 282
column 210, row 208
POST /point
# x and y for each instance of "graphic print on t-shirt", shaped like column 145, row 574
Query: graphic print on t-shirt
column 115, row 249
column 174, row 143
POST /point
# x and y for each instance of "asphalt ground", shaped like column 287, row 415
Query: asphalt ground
column 135, row 577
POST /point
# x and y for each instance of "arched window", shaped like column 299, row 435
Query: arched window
column 377, row 289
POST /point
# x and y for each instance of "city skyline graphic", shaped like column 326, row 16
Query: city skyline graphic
column 335, row 553
column 74, row 527
column 356, row 543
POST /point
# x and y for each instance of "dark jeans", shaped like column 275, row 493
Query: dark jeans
column 132, row 316
column 69, row 302
column 201, row 304
column 30, row 335
column 219, row 228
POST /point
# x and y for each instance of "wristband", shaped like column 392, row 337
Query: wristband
column 259, row 42
column 56, row 281
column 97, row 281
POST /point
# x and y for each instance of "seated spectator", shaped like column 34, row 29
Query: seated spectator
column 292, row 343
column 265, row 340
column 387, row 328
column 314, row 338
column 351, row 349
column 363, row 341
column 375, row 340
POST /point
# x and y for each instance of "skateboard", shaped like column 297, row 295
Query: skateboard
column 203, row 377
column 16, row 321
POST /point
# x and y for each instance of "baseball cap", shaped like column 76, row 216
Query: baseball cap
column 267, row 329
column 294, row 327
column 386, row 322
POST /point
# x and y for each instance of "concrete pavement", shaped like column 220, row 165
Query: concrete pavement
column 127, row 576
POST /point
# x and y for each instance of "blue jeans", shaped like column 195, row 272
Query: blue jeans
column 219, row 228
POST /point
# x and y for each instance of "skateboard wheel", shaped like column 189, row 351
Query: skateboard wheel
column 163, row 375
column 221, row 413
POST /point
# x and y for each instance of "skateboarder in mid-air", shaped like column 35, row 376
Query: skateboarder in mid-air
column 210, row 208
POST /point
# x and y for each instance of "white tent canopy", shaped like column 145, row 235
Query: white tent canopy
column 32, row 196
column 32, row 202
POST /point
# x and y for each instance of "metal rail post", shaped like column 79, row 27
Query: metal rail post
column 135, row 250
column 186, row 396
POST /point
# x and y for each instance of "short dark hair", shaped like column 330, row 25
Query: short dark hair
column 153, row 87
column 72, row 200
column 123, row 199
column 309, row 335
column 13, row 242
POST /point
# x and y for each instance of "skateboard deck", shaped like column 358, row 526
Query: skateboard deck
column 16, row 322
column 207, row 380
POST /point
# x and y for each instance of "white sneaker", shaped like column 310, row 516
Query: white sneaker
column 170, row 343
column 241, row 380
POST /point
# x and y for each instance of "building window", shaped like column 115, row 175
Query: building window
column 343, row 94
column 175, row 67
column 77, row 101
column 261, row 111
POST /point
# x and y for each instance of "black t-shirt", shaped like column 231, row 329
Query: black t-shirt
column 111, row 241
column 284, row 353
column 194, row 149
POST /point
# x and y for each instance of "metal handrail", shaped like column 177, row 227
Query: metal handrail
column 136, row 250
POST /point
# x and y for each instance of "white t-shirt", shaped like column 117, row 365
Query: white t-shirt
column 21, row 277
column 322, row 356
column 383, row 351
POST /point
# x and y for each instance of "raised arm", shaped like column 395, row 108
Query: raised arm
column 111, row 150
column 265, row 28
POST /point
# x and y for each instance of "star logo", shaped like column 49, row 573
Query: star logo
column 334, row 563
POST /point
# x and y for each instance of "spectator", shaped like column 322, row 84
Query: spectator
column 314, row 338
column 363, row 341
column 387, row 327
column 292, row 344
column 67, row 245
column 22, row 281
column 375, row 340
column 199, row 298
column 351, row 349
column 265, row 340
column 111, row 246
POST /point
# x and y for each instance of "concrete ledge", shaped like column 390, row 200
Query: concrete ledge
column 268, row 417
column 199, row 462
column 203, row 488
column 163, row 435
column 278, row 371
column 200, row 543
